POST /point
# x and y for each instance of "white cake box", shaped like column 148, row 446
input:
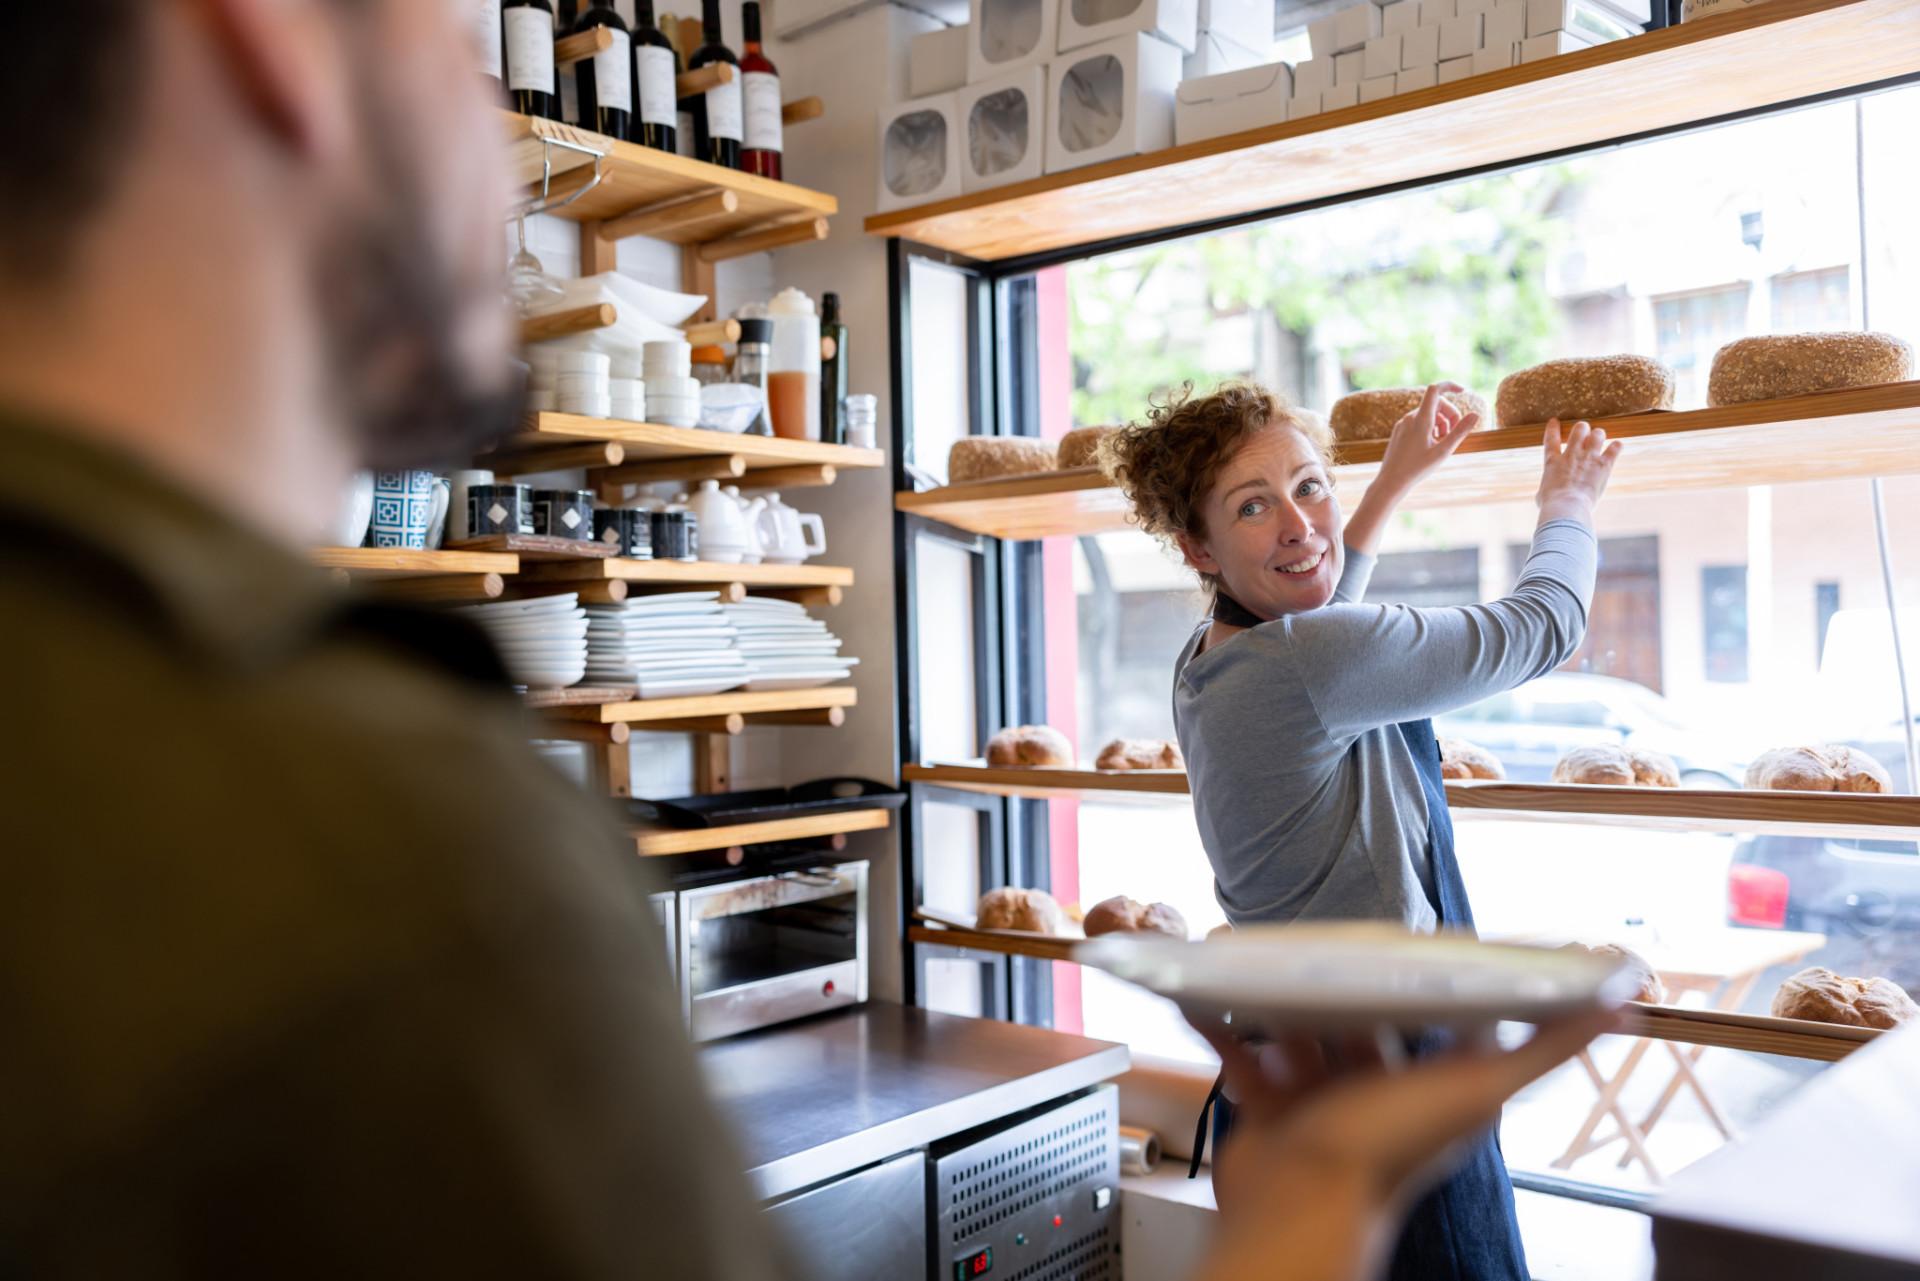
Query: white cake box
column 1312, row 77
column 1338, row 96
column 1323, row 38
column 937, row 62
column 1456, row 69
column 1420, row 47
column 1506, row 24
column 1248, row 99
column 1498, row 58
column 1462, row 37
column 1109, row 100
column 920, row 156
column 1377, row 88
column 1402, row 15
column 1435, row 12
column 1353, row 27
column 1412, row 78
column 1593, row 23
column 1248, row 22
column 1003, row 128
column 1085, row 22
column 1551, row 45
column 1380, row 58
column 1707, row 8
column 1215, row 55
column 1302, row 107
column 1008, row 35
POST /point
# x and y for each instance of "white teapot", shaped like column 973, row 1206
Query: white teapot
column 726, row 535
column 759, row 532
column 792, row 536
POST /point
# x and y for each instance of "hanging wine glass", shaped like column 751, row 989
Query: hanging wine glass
column 528, row 284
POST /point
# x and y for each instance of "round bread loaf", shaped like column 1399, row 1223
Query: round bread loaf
column 992, row 457
column 1650, row 989
column 1822, row 996
column 1818, row 769
column 1599, row 387
column 1030, row 745
column 1140, row 753
column 1370, row 415
column 1079, row 447
column 1775, row 365
column 1610, row 765
column 1008, row 908
column 1461, row 759
column 1122, row 915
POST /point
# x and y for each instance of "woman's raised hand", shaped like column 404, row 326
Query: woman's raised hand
column 1575, row 471
column 1425, row 438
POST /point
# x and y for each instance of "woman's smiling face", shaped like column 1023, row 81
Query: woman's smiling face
column 1272, row 526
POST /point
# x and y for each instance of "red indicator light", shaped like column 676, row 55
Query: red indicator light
column 826, row 989
column 1056, row 1220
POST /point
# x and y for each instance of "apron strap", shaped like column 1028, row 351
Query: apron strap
column 1231, row 612
column 1204, row 1124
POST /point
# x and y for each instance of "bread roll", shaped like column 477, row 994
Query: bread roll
column 1461, row 759
column 1610, row 765
column 1122, row 915
column 1820, row 995
column 1370, row 415
column 1030, row 745
column 1602, row 387
column 991, row 457
column 1818, row 769
column 1140, row 753
column 1650, row 989
column 1009, row 908
column 1078, row 447
column 1776, row 365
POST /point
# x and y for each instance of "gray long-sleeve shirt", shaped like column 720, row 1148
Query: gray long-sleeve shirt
column 1307, row 798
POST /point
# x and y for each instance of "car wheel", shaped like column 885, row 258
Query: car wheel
column 1707, row 780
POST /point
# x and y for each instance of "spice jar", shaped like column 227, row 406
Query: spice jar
column 709, row 366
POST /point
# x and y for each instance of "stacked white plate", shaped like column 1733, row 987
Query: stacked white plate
column 543, row 641
column 629, row 399
column 784, row 646
column 672, row 646
column 673, row 394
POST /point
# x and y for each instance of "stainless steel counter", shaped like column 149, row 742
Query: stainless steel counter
column 818, row 1098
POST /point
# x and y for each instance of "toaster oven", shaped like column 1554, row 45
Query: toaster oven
column 772, row 948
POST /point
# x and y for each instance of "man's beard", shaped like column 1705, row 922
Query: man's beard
column 392, row 304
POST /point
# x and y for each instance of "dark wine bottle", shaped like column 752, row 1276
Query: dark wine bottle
column 716, row 113
column 604, row 82
column 760, row 94
column 529, row 38
column 656, row 112
column 833, row 370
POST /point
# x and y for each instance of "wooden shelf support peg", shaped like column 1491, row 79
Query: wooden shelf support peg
column 811, row 597
column 562, row 324
column 807, row 231
column 807, row 477
column 578, row 48
column 824, row 717
column 591, row 591
column 718, row 467
column 524, row 462
column 801, row 110
column 710, row 726
column 674, row 215
column 555, row 729
column 713, row 333
column 447, row 588
column 691, row 84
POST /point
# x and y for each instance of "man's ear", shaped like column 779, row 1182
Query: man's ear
column 283, row 59
column 1196, row 554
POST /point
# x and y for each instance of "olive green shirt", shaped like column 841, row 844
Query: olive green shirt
column 308, row 965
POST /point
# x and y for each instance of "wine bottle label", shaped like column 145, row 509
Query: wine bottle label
column 723, row 111
column 530, row 49
column 657, row 96
column 486, row 37
column 613, row 74
column 762, row 94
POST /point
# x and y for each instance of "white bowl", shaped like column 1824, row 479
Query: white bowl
column 579, row 362
column 596, row 383
column 667, row 352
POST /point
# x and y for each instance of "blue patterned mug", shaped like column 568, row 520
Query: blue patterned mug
column 406, row 505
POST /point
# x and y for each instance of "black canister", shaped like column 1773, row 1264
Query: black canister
column 563, row 513
column 499, row 509
column 676, row 535
column 629, row 530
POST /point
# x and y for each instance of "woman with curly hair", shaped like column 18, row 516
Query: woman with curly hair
column 1303, row 712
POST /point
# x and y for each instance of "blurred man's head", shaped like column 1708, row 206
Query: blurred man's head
column 343, row 148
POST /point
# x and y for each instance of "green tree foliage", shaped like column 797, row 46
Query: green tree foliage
column 1399, row 292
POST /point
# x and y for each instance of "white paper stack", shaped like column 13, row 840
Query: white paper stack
column 675, row 645
column 784, row 647
column 542, row 641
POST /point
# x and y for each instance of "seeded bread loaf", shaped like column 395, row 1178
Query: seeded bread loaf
column 1461, row 759
column 1651, row 989
column 1825, row 997
column 1030, row 745
column 1775, row 365
column 1370, row 415
column 1600, row 387
column 1140, row 753
column 1122, row 915
column 1079, row 446
column 1818, row 769
column 993, row 457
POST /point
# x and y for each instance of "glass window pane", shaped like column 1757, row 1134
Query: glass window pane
column 938, row 319
column 944, row 664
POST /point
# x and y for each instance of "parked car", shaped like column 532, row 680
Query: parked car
column 1531, row 727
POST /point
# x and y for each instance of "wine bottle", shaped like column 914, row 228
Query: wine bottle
column 605, row 81
column 833, row 368
column 716, row 113
column 530, row 81
column 760, row 92
column 656, row 116
column 488, row 48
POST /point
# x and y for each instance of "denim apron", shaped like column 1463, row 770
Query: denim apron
column 1464, row 1229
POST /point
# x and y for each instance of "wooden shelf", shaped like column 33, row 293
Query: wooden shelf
column 1648, row 808
column 647, row 441
column 534, row 549
column 1747, row 59
column 1754, row 1033
column 714, row 706
column 1830, row 435
column 648, row 185
column 673, row 840
column 691, row 573
column 390, row 563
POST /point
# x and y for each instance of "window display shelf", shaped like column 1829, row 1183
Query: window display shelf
column 655, row 713
column 394, row 563
column 675, row 840
column 645, row 192
column 652, row 441
column 1829, row 435
column 1663, row 809
column 1743, row 60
